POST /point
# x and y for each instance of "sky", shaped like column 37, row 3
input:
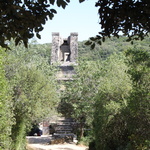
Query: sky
column 76, row 17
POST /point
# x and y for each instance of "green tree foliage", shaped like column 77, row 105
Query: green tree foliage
column 33, row 88
column 110, row 100
column 21, row 19
column 110, row 46
column 79, row 93
column 128, row 17
column 5, row 107
column 121, row 119
column 124, row 16
column 97, row 84
column 138, row 109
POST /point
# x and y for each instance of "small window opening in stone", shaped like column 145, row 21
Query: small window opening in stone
column 65, row 42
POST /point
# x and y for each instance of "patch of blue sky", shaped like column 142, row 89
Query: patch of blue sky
column 76, row 17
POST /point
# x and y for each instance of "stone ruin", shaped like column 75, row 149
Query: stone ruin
column 64, row 51
column 64, row 54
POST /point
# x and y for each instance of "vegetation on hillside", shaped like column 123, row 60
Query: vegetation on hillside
column 121, row 117
column 30, row 83
column 112, row 92
column 6, row 114
column 109, row 47
column 109, row 95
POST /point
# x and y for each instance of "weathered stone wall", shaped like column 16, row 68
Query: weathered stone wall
column 65, row 53
column 55, row 47
column 65, row 73
column 74, row 46
column 64, row 50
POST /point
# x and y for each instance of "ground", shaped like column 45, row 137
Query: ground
column 43, row 143
column 65, row 146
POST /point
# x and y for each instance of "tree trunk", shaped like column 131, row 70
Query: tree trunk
column 81, row 131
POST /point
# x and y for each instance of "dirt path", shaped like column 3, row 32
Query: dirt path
column 41, row 143
column 56, row 147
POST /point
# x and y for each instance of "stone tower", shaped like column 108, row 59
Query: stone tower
column 64, row 53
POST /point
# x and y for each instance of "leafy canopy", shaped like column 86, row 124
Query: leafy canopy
column 5, row 106
column 20, row 19
column 127, row 17
column 131, row 17
column 32, row 87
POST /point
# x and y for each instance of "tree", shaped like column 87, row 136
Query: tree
column 128, row 17
column 122, row 119
column 131, row 17
column 100, row 82
column 111, row 98
column 20, row 19
column 138, row 109
column 5, row 107
column 77, row 99
column 33, row 88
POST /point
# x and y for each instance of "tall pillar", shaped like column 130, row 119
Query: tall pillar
column 55, row 47
column 74, row 46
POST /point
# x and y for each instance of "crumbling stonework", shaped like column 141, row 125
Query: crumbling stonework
column 64, row 51
column 55, row 47
column 64, row 54
column 74, row 47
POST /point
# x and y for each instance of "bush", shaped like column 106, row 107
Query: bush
column 122, row 120
column 5, row 108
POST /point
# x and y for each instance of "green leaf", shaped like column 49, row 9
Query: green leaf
column 51, row 16
column 25, row 43
column 38, row 35
column 92, row 39
column 103, row 39
column 58, row 3
column 99, row 37
column 52, row 2
column 99, row 42
column 31, row 35
column 93, row 46
column 53, row 11
column 40, row 28
column 17, row 40
column 88, row 43
column 81, row 1
column 63, row 4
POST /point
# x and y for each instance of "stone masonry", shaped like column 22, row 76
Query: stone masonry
column 64, row 54
column 64, row 51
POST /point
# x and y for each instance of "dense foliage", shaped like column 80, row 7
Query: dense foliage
column 21, row 19
column 28, row 92
column 138, row 109
column 110, row 96
column 110, row 46
column 124, row 125
column 79, row 93
column 5, row 107
column 130, row 17
column 91, row 77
